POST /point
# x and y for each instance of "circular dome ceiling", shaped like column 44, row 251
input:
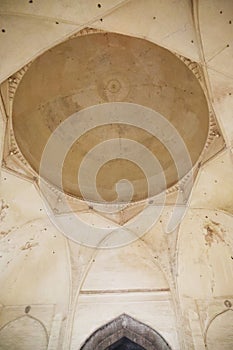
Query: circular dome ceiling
column 105, row 68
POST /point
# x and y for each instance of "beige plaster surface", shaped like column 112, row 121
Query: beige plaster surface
column 67, row 289
column 104, row 68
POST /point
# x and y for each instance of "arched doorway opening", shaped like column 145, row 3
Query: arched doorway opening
column 125, row 333
column 125, row 344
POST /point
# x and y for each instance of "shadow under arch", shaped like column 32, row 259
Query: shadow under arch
column 127, row 332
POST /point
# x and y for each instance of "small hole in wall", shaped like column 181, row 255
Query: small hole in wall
column 101, row 19
column 228, row 45
column 227, row 303
column 230, row 93
column 99, row 5
column 232, row 257
column 154, row 17
column 220, row 12
column 57, row 22
column 27, row 309
column 30, row 1
column 229, row 22
column 192, row 41
column 3, row 30
column 206, row 217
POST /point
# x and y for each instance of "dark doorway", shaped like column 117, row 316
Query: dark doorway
column 125, row 344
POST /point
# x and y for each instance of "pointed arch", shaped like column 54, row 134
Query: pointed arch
column 218, row 330
column 129, row 328
column 24, row 332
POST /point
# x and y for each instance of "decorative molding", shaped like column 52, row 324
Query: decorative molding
column 15, row 79
column 87, row 31
column 193, row 66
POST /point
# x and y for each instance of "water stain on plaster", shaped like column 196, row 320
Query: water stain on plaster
column 213, row 233
column 29, row 245
column 4, row 233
